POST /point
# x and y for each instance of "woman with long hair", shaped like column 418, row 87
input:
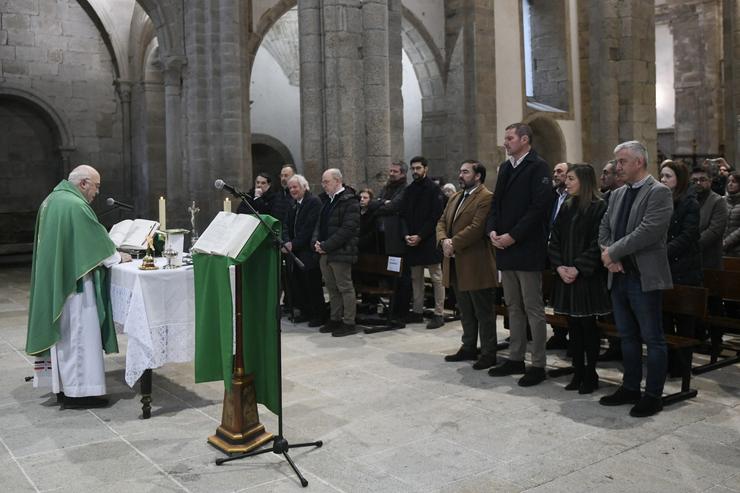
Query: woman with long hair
column 580, row 290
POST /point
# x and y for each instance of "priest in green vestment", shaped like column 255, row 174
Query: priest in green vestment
column 69, row 318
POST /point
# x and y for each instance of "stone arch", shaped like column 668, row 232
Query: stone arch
column 547, row 138
column 267, row 20
column 168, row 34
column 57, row 118
column 101, row 17
column 274, row 154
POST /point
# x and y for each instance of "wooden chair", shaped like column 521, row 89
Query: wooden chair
column 731, row 264
column 371, row 277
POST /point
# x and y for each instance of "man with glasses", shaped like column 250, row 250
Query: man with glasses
column 712, row 221
column 69, row 319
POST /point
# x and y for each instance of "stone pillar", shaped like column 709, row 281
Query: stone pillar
column 313, row 128
column 731, row 58
column 345, row 116
column 176, row 169
column 395, row 80
column 124, row 94
column 479, row 59
column 376, row 56
column 636, row 75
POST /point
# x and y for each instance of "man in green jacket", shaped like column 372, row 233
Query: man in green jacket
column 69, row 318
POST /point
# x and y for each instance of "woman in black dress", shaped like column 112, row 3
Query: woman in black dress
column 580, row 289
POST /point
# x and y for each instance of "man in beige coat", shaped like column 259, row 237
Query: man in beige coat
column 469, row 266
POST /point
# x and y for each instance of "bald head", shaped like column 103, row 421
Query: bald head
column 87, row 180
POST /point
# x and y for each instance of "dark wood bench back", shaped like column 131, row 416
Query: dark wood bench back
column 686, row 300
column 371, row 263
column 731, row 264
column 722, row 284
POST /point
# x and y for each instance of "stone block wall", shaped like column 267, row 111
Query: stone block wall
column 53, row 50
column 549, row 53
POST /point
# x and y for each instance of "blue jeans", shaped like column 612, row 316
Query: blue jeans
column 639, row 319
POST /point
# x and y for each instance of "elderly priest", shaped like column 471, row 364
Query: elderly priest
column 69, row 318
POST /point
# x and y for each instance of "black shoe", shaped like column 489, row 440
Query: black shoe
column 589, row 384
column 532, row 376
column 508, row 367
column 300, row 319
column 60, row 398
column 84, row 402
column 436, row 322
column 575, row 382
column 621, row 396
column 485, row 361
column 610, row 354
column 330, row 326
column 344, row 330
column 462, row 354
column 414, row 318
column 647, row 406
column 556, row 342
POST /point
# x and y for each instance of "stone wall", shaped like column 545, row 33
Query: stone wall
column 53, row 50
column 551, row 81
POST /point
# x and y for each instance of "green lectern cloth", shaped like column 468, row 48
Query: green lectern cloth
column 69, row 243
column 214, row 314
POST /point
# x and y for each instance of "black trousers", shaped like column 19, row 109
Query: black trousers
column 307, row 292
column 585, row 341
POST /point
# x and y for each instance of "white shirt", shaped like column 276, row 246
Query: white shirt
column 331, row 197
column 517, row 162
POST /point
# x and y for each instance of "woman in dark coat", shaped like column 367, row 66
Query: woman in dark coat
column 369, row 239
column 684, row 254
column 580, row 289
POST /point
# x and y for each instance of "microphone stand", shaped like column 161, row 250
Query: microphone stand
column 280, row 445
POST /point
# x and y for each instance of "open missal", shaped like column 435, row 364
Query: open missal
column 132, row 235
column 226, row 235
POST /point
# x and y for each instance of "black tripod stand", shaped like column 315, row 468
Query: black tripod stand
column 280, row 445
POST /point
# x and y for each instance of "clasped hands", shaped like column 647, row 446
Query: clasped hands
column 567, row 274
column 610, row 264
column 412, row 240
column 318, row 249
column 448, row 249
column 501, row 241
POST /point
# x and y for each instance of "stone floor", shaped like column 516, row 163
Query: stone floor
column 393, row 417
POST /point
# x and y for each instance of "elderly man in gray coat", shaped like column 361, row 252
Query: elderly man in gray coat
column 633, row 238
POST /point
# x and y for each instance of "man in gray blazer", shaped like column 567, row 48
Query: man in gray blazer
column 713, row 218
column 633, row 238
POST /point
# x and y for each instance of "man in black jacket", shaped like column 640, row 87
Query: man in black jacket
column 304, row 284
column 335, row 239
column 421, row 207
column 517, row 227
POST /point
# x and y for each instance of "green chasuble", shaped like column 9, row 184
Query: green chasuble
column 214, row 315
column 69, row 243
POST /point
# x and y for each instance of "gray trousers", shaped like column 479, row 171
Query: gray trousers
column 417, row 283
column 523, row 296
column 478, row 318
column 338, row 282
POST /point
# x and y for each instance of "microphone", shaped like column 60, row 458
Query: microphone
column 221, row 185
column 113, row 202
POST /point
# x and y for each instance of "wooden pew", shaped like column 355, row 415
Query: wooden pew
column 731, row 264
column 681, row 300
column 723, row 287
column 371, row 276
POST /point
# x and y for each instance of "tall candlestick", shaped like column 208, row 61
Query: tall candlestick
column 162, row 214
column 227, row 205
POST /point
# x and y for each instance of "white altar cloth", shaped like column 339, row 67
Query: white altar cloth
column 156, row 310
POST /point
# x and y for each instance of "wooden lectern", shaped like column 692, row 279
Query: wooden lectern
column 240, row 430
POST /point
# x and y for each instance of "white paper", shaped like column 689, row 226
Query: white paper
column 132, row 235
column 394, row 264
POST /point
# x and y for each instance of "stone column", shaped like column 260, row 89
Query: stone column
column 175, row 189
column 124, row 94
column 731, row 46
column 395, row 80
column 313, row 128
column 376, row 56
column 479, row 61
column 636, row 75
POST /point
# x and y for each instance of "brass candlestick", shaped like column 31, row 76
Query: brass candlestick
column 147, row 262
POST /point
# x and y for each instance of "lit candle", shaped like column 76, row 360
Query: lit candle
column 162, row 214
column 227, row 205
